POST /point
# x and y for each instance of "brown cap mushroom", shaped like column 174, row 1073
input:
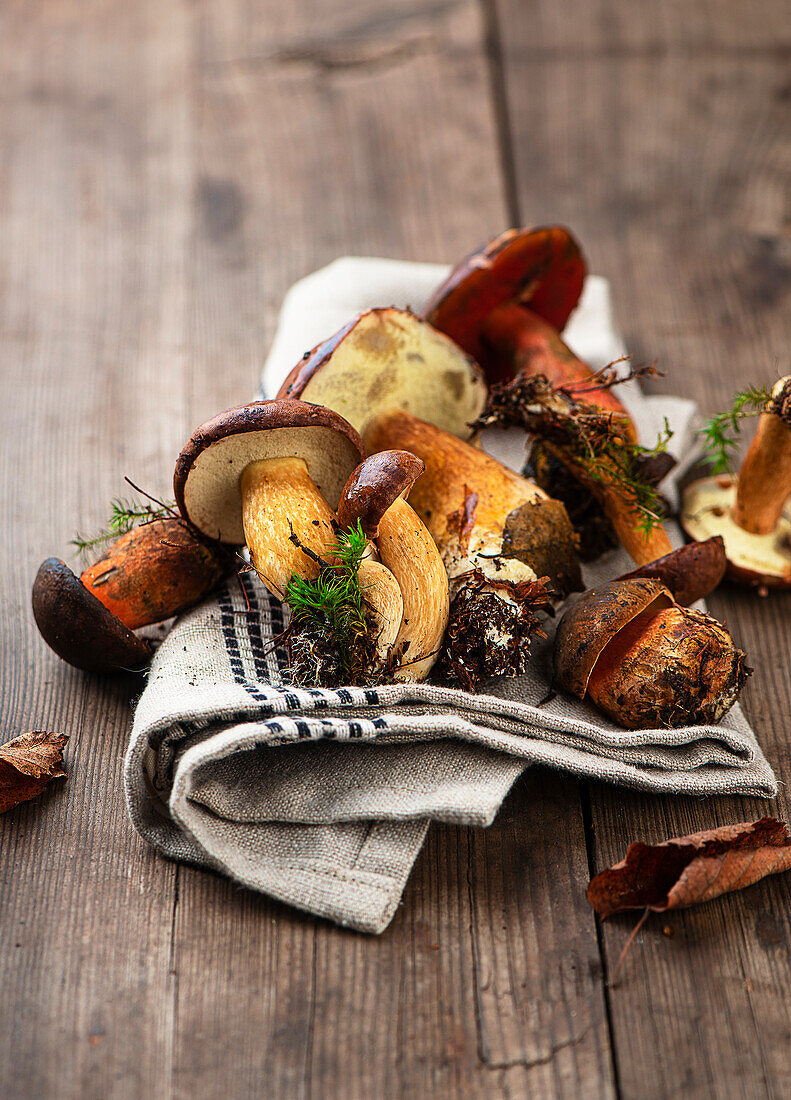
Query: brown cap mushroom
column 646, row 661
column 506, row 303
column 373, row 496
column 269, row 473
column 751, row 512
column 387, row 358
column 79, row 628
column 690, row 573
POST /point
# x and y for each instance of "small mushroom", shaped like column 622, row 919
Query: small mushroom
column 149, row 574
column 374, row 496
column 269, row 474
column 388, row 358
column 506, row 303
column 646, row 661
column 752, row 512
column 78, row 627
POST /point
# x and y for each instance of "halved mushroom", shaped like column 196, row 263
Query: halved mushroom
column 387, row 358
column 374, row 496
column 752, row 512
column 506, row 302
column 646, row 661
column 500, row 538
column 149, row 574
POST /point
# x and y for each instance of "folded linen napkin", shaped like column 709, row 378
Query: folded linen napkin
column 322, row 798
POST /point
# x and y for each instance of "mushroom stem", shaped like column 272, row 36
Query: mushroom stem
column 281, row 500
column 523, row 341
column 155, row 571
column 765, row 475
column 641, row 546
column 408, row 551
column 382, row 594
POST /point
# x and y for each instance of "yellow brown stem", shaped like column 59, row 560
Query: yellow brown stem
column 279, row 498
column 765, row 475
column 408, row 551
column 383, row 596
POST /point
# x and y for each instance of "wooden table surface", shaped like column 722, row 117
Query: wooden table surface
column 166, row 171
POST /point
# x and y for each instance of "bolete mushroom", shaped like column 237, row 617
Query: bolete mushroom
column 646, row 661
column 389, row 358
column 78, row 627
column 269, row 474
column 751, row 512
column 500, row 538
column 506, row 303
column 149, row 574
column 374, row 497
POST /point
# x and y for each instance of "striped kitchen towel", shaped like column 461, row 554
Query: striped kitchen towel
column 322, row 798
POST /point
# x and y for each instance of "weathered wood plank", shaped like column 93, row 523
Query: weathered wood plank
column 167, row 172
column 91, row 273
column 661, row 136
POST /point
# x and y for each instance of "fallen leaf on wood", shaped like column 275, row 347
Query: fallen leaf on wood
column 27, row 764
column 688, row 870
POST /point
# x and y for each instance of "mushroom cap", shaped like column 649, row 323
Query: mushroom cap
column 691, row 572
column 707, row 510
column 373, row 487
column 208, row 470
column 78, row 627
column 594, row 620
column 389, row 358
column 541, row 268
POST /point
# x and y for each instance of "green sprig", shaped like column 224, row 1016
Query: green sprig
column 333, row 603
column 722, row 431
column 124, row 515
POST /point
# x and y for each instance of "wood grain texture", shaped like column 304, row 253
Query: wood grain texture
column 661, row 134
column 166, row 172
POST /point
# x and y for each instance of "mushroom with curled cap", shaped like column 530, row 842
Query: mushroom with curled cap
column 752, row 512
column 374, row 497
column 644, row 660
column 506, row 303
column 154, row 571
column 389, row 358
column 269, row 474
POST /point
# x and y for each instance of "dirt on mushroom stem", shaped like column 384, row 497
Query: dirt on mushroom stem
column 491, row 628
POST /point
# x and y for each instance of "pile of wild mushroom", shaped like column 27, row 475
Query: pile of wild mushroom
column 456, row 583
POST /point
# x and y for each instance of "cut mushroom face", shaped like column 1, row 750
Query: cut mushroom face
column 373, row 496
column 646, row 661
column 269, row 474
column 389, row 358
column 752, row 512
column 506, row 303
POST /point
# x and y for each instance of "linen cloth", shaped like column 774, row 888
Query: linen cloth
column 322, row 799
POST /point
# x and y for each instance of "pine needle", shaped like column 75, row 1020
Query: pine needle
column 124, row 515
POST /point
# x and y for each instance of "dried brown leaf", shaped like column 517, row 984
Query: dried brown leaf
column 27, row 764
column 692, row 869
